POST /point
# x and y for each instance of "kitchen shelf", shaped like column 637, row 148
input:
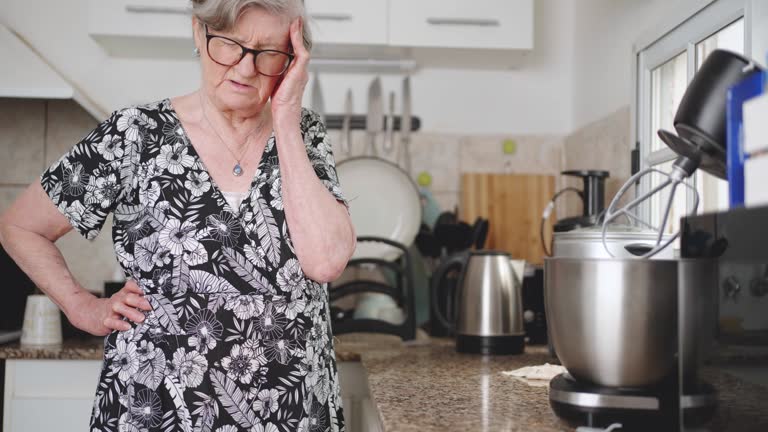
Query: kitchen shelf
column 358, row 122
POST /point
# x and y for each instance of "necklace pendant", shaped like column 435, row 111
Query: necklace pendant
column 237, row 170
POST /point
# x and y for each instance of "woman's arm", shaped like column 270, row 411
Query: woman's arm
column 320, row 226
column 28, row 230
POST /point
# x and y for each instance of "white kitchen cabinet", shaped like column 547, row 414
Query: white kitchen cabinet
column 133, row 28
column 348, row 21
column 49, row 395
column 495, row 24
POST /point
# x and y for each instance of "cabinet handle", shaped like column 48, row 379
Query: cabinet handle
column 157, row 9
column 477, row 22
column 331, row 17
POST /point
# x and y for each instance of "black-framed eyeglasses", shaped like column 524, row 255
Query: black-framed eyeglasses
column 228, row 52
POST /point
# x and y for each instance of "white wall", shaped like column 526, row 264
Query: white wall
column 605, row 31
column 533, row 99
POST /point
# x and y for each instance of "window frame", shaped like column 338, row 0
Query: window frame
column 681, row 33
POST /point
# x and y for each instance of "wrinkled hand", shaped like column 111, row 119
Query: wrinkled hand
column 100, row 316
column 287, row 96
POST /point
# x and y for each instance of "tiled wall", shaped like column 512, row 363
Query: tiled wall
column 446, row 157
column 33, row 134
column 602, row 145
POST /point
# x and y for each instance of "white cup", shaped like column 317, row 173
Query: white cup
column 42, row 322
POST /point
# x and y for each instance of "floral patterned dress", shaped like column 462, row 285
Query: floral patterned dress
column 238, row 338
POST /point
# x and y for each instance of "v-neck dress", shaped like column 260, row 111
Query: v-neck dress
column 238, row 338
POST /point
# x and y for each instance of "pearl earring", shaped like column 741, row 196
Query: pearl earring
column 197, row 52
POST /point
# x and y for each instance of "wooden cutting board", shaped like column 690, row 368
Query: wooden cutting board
column 513, row 205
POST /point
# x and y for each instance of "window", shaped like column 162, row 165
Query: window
column 665, row 65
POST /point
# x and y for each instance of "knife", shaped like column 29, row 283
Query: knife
column 346, row 125
column 389, row 136
column 317, row 103
column 405, row 127
column 374, row 122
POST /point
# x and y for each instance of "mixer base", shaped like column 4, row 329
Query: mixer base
column 494, row 345
column 635, row 409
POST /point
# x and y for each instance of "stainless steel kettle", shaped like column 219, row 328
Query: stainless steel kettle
column 489, row 308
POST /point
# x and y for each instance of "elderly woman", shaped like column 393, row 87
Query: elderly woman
column 228, row 219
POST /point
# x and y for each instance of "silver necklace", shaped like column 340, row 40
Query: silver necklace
column 237, row 170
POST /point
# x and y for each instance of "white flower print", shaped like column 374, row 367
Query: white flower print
column 190, row 366
column 227, row 428
column 149, row 253
column 198, row 182
column 205, row 330
column 73, row 212
column 147, row 408
column 303, row 425
column 197, row 256
column 207, row 283
column 240, row 364
column 74, row 179
column 317, row 417
column 269, row 427
column 109, row 147
column 294, row 308
column 173, row 132
column 178, row 236
column 132, row 122
column 245, row 306
column 162, row 281
column 255, row 255
column 279, row 350
column 266, row 402
column 126, row 424
column 290, row 278
column 174, row 158
column 146, row 350
column 224, row 227
column 271, row 323
column 102, row 190
column 126, row 360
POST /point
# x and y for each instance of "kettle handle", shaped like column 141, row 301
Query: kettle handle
column 454, row 261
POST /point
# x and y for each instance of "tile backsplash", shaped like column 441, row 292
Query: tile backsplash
column 34, row 133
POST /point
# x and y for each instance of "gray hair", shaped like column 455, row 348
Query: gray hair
column 222, row 14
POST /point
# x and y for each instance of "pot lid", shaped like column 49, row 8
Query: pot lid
column 614, row 232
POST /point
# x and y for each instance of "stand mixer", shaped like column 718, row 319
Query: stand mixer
column 624, row 328
column 700, row 141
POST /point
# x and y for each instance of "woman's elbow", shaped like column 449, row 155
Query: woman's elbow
column 332, row 265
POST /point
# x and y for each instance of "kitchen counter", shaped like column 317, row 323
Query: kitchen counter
column 425, row 385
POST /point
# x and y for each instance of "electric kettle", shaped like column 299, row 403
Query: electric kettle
column 488, row 309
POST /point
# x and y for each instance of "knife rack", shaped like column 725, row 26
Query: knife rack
column 358, row 122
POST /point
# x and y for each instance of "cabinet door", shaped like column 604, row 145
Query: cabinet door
column 499, row 24
column 348, row 21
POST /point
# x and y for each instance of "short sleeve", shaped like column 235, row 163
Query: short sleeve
column 321, row 153
column 88, row 182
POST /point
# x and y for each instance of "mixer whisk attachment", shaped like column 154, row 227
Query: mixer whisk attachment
column 681, row 170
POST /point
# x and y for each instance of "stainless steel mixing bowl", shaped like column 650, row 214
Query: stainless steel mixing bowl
column 614, row 322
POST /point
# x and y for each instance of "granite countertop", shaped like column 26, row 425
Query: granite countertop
column 425, row 385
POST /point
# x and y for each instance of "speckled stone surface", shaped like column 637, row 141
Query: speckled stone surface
column 425, row 386
column 433, row 388
column 73, row 349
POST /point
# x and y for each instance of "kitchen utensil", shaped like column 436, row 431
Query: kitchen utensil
column 489, row 307
column 42, row 322
column 374, row 122
column 592, row 198
column 512, row 204
column 623, row 241
column 384, row 202
column 612, row 320
column 389, row 137
column 346, row 125
column 480, row 233
column 700, row 142
column 317, row 102
column 406, row 123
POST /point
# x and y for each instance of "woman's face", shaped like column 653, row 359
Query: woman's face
column 241, row 87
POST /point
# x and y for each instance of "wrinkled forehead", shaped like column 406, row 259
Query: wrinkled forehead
column 258, row 27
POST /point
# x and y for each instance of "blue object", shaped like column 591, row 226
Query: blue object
column 748, row 88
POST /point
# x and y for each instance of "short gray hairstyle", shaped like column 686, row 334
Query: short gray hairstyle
column 222, row 14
